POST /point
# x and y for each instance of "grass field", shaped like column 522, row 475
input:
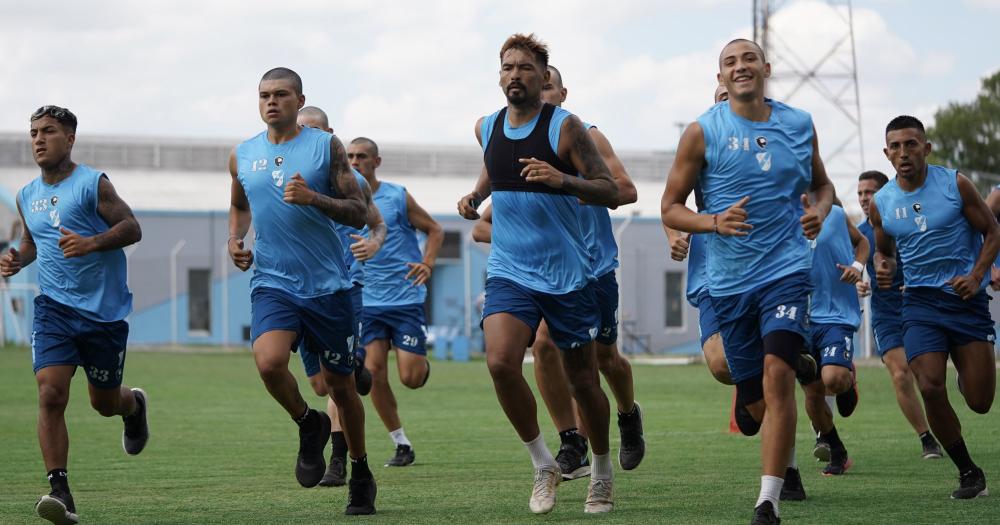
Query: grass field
column 222, row 451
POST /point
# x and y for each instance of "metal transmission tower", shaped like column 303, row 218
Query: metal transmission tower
column 833, row 75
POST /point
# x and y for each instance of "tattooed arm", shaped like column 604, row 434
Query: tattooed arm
column 123, row 228
column 596, row 185
column 348, row 207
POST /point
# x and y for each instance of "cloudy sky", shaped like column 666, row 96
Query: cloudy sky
column 424, row 71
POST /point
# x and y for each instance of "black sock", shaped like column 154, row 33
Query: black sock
column 339, row 445
column 308, row 421
column 359, row 468
column 959, row 455
column 569, row 436
column 59, row 480
column 833, row 439
column 927, row 438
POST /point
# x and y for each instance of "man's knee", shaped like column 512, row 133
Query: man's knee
column 837, row 379
column 106, row 405
column 52, row 397
column 413, row 377
column 932, row 389
column 609, row 360
column 981, row 404
column 271, row 369
column 318, row 385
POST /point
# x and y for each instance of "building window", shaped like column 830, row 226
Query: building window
column 674, row 305
column 451, row 247
column 199, row 301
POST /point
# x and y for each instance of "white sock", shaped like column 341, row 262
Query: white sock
column 540, row 454
column 399, row 437
column 601, row 468
column 791, row 462
column 770, row 490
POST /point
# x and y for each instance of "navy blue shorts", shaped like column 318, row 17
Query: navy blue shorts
column 606, row 293
column 938, row 321
column 62, row 336
column 708, row 322
column 573, row 317
column 832, row 344
column 888, row 334
column 404, row 325
column 310, row 361
column 323, row 325
column 744, row 320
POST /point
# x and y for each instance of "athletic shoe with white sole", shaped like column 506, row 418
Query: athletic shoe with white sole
column 58, row 508
column 600, row 497
column 572, row 459
column 972, row 484
column 543, row 492
column 633, row 446
column 136, row 432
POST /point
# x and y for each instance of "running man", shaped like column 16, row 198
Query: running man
column 393, row 312
column 549, row 375
column 838, row 261
column 887, row 324
column 947, row 238
column 541, row 162
column 755, row 158
column 294, row 183
column 75, row 225
column 355, row 253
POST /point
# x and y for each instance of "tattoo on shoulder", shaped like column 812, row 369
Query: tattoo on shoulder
column 583, row 144
column 338, row 157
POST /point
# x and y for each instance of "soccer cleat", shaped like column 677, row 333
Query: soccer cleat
column 806, row 371
column 633, row 446
column 839, row 462
column 848, row 401
column 310, row 465
column 822, row 450
column 404, row 456
column 745, row 421
column 600, row 497
column 136, row 432
column 336, row 473
column 792, row 489
column 972, row 484
column 931, row 448
column 362, row 377
column 543, row 492
column 572, row 459
column 57, row 507
column 765, row 514
column 361, row 497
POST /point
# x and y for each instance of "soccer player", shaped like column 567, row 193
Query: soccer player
column 541, row 162
column 294, row 183
column 947, row 239
column 357, row 250
column 754, row 159
column 393, row 312
column 75, row 225
column 887, row 324
column 549, row 374
column 838, row 257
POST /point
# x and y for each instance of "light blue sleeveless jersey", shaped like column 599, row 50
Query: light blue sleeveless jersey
column 94, row 284
column 537, row 238
column 697, row 282
column 934, row 239
column 356, row 269
column 385, row 274
column 297, row 249
column 833, row 301
column 599, row 234
column 772, row 163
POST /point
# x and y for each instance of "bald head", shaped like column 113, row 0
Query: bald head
column 313, row 117
column 721, row 93
column 753, row 44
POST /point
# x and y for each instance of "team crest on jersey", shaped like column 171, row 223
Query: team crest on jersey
column 764, row 160
column 761, row 142
column 916, row 207
column 278, row 176
column 54, row 218
column 921, row 222
column 54, row 200
column 279, row 160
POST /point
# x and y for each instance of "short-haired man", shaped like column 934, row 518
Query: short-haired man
column 755, row 159
column 549, row 375
column 294, row 183
column 887, row 324
column 934, row 218
column 75, row 225
column 355, row 253
column 539, row 266
column 393, row 305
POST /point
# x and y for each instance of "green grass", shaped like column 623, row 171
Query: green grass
column 223, row 452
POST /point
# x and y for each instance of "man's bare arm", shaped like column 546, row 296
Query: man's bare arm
column 626, row 189
column 349, row 207
column 982, row 219
column 681, row 181
column 376, row 225
column 123, row 227
column 483, row 230
column 596, row 184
